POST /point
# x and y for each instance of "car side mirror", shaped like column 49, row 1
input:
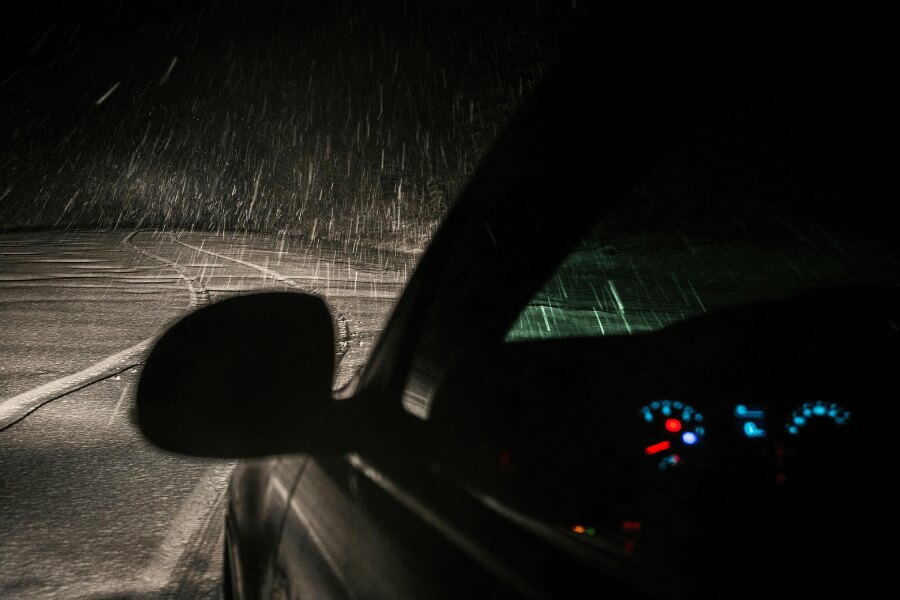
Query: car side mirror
column 245, row 377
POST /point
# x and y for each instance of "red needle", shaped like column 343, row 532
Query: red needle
column 653, row 449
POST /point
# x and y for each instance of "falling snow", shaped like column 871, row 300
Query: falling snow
column 342, row 124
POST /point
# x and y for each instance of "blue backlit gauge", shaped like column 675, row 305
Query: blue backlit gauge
column 751, row 420
column 818, row 411
column 674, row 429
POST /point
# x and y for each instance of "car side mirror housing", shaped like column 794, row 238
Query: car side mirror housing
column 245, row 377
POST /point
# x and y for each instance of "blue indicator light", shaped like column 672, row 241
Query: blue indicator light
column 648, row 416
column 752, row 431
column 793, row 430
column 751, row 420
column 742, row 412
column 799, row 421
column 689, row 438
column 700, row 431
column 819, row 410
column 666, row 409
column 677, row 405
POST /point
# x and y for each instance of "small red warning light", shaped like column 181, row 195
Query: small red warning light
column 654, row 448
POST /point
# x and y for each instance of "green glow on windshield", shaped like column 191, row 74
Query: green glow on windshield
column 539, row 322
column 591, row 295
column 652, row 282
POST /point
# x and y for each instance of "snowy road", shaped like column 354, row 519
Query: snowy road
column 87, row 508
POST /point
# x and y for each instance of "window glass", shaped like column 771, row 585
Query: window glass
column 736, row 213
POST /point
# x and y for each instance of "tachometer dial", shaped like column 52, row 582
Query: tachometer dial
column 818, row 412
column 673, row 431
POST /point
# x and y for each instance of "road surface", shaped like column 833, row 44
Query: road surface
column 88, row 509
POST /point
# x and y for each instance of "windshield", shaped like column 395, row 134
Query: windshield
column 736, row 213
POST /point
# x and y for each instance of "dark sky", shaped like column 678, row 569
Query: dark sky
column 39, row 33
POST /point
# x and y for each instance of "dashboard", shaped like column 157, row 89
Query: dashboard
column 721, row 453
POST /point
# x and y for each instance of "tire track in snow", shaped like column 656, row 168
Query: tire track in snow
column 21, row 405
column 199, row 294
column 16, row 408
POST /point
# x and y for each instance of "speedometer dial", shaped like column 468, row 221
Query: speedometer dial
column 674, row 430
